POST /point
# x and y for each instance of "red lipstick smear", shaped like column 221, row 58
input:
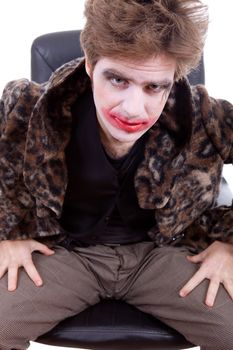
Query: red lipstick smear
column 123, row 123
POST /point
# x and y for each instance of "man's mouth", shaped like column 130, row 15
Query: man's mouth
column 123, row 123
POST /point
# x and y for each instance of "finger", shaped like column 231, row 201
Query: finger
column 228, row 285
column 197, row 278
column 46, row 250
column 3, row 270
column 12, row 278
column 33, row 273
column 196, row 258
column 42, row 248
column 212, row 292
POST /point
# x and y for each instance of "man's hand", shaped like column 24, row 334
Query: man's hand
column 216, row 264
column 14, row 254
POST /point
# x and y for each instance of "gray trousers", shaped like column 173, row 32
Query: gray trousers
column 147, row 277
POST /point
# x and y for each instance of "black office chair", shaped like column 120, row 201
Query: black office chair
column 111, row 324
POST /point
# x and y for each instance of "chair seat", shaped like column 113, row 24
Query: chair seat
column 113, row 324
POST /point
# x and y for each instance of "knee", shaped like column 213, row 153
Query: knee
column 11, row 337
column 220, row 336
column 223, row 338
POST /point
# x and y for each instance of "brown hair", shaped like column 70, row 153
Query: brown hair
column 140, row 29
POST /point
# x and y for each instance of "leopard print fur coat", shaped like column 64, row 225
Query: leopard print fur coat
column 180, row 186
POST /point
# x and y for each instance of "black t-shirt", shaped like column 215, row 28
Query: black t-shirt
column 100, row 205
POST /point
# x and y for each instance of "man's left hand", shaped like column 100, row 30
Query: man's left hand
column 216, row 264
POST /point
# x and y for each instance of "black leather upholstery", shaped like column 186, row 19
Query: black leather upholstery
column 50, row 51
column 110, row 324
column 114, row 325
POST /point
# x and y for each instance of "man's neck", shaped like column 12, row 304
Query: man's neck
column 114, row 148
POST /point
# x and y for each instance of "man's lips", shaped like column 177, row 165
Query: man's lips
column 130, row 127
column 122, row 123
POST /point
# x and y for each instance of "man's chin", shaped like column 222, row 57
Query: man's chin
column 128, row 137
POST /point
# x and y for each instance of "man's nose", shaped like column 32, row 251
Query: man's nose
column 134, row 103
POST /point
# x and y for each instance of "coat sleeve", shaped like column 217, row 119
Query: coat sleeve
column 217, row 117
column 15, row 108
column 215, row 223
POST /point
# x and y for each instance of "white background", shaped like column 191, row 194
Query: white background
column 22, row 21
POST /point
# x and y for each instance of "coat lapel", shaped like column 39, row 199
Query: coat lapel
column 163, row 161
column 45, row 172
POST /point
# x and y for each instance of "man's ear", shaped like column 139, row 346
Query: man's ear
column 88, row 67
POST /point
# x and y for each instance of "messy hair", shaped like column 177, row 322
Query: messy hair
column 141, row 29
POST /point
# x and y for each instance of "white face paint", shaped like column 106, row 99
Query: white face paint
column 130, row 95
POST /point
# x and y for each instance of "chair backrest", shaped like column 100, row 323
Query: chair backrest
column 50, row 51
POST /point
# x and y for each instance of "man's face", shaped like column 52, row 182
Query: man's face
column 130, row 95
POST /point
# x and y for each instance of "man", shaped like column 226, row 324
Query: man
column 109, row 179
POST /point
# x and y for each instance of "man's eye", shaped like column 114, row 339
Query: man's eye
column 117, row 81
column 158, row 88
column 155, row 87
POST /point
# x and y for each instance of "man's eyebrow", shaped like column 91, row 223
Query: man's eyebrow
column 115, row 72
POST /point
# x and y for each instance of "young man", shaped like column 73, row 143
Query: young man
column 109, row 179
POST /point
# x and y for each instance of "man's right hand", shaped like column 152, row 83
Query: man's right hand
column 18, row 253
